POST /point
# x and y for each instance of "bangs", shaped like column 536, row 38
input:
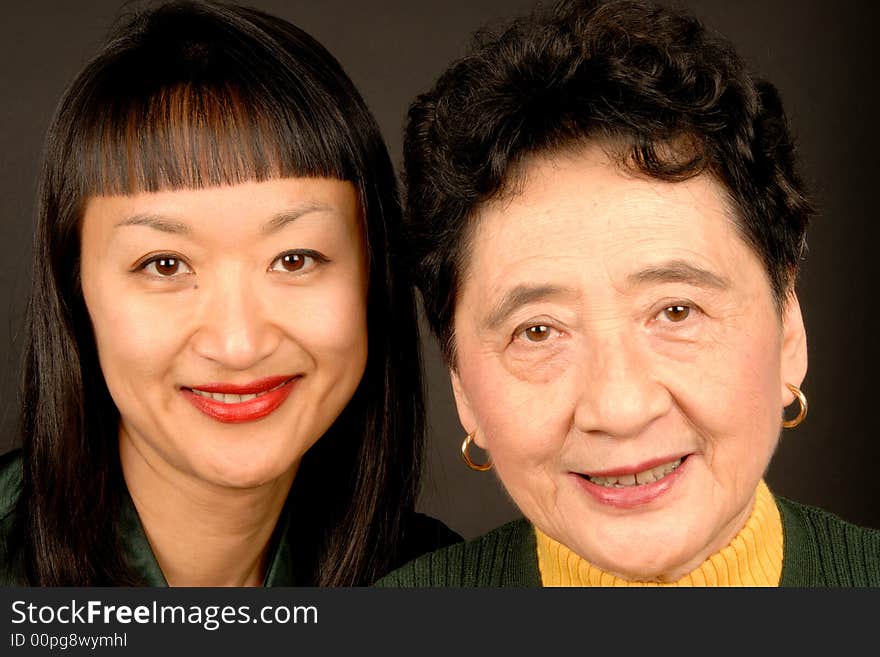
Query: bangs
column 191, row 137
column 201, row 109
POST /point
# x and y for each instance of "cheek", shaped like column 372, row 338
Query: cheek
column 538, row 365
column 135, row 340
column 330, row 321
column 732, row 394
column 522, row 422
column 753, row 373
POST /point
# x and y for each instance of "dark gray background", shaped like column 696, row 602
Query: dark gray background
column 822, row 56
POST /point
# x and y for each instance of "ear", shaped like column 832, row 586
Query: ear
column 794, row 346
column 463, row 405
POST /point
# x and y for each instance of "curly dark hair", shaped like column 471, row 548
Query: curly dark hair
column 669, row 99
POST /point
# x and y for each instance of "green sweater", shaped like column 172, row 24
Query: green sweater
column 820, row 550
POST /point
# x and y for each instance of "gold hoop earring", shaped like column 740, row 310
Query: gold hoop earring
column 802, row 400
column 479, row 467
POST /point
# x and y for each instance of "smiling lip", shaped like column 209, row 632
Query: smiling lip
column 627, row 497
column 641, row 467
column 271, row 393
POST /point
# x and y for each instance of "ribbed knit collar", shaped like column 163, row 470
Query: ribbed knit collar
column 753, row 557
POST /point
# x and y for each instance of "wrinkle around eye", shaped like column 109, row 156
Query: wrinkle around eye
column 538, row 362
column 691, row 328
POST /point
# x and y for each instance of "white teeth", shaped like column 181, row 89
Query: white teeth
column 646, row 477
column 224, row 398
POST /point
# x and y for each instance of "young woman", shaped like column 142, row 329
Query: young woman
column 222, row 378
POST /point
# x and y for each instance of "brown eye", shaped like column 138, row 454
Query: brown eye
column 302, row 261
column 166, row 267
column 293, row 261
column 677, row 313
column 537, row 333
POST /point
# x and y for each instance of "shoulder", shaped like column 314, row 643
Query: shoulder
column 821, row 549
column 505, row 556
column 422, row 534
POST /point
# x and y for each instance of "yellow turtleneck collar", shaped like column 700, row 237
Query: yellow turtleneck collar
column 753, row 558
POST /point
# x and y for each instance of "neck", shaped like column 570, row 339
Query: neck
column 201, row 534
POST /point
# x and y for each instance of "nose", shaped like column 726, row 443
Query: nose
column 234, row 328
column 619, row 392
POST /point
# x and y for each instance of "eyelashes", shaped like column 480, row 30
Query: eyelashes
column 676, row 317
column 171, row 266
column 675, row 313
column 537, row 333
column 301, row 261
column 683, row 319
column 165, row 266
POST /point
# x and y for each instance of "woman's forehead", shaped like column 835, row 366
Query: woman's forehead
column 583, row 213
column 586, row 205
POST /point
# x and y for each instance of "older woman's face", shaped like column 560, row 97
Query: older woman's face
column 621, row 358
column 230, row 321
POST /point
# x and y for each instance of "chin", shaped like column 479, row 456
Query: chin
column 646, row 568
column 644, row 557
column 251, row 471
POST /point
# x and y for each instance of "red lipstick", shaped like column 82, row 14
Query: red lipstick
column 270, row 394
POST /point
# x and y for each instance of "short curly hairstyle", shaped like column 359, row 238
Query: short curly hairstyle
column 672, row 100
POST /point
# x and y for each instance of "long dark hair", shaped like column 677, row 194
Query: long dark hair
column 190, row 95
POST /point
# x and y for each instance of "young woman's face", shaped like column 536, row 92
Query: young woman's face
column 230, row 321
column 620, row 355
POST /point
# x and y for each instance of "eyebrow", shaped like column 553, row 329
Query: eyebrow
column 281, row 219
column 276, row 223
column 154, row 221
column 679, row 271
column 519, row 296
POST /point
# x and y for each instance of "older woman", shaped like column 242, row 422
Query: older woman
column 607, row 224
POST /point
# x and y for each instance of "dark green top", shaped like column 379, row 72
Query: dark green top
column 820, row 549
column 422, row 534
